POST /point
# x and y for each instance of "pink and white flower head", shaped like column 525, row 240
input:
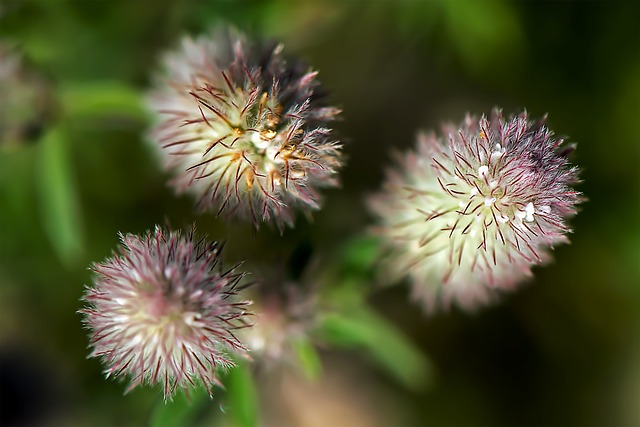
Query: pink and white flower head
column 286, row 314
column 242, row 130
column 469, row 213
column 163, row 311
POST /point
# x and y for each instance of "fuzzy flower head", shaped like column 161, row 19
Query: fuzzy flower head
column 469, row 213
column 285, row 315
column 163, row 311
column 243, row 131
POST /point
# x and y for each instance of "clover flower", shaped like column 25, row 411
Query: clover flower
column 470, row 212
column 163, row 311
column 242, row 130
column 285, row 315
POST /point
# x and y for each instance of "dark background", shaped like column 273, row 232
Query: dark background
column 562, row 351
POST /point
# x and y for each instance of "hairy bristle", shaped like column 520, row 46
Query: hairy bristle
column 244, row 131
column 164, row 311
column 470, row 212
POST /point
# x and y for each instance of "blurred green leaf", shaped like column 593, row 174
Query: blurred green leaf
column 364, row 328
column 242, row 396
column 352, row 275
column 308, row 357
column 60, row 210
column 17, row 193
column 358, row 256
column 180, row 412
column 102, row 99
column 340, row 330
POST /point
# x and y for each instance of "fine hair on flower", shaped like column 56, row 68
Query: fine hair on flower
column 243, row 130
column 163, row 310
column 469, row 212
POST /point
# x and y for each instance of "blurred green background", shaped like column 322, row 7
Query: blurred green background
column 75, row 169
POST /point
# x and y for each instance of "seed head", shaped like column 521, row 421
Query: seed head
column 162, row 311
column 242, row 130
column 469, row 213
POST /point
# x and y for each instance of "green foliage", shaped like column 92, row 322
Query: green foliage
column 181, row 411
column 394, row 67
column 102, row 99
column 308, row 358
column 358, row 256
column 350, row 275
column 351, row 323
column 363, row 328
column 60, row 210
column 241, row 398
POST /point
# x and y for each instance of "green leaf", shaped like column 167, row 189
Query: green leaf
column 341, row 330
column 180, row 412
column 242, row 396
column 308, row 358
column 359, row 255
column 102, row 99
column 363, row 328
column 60, row 211
column 353, row 273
